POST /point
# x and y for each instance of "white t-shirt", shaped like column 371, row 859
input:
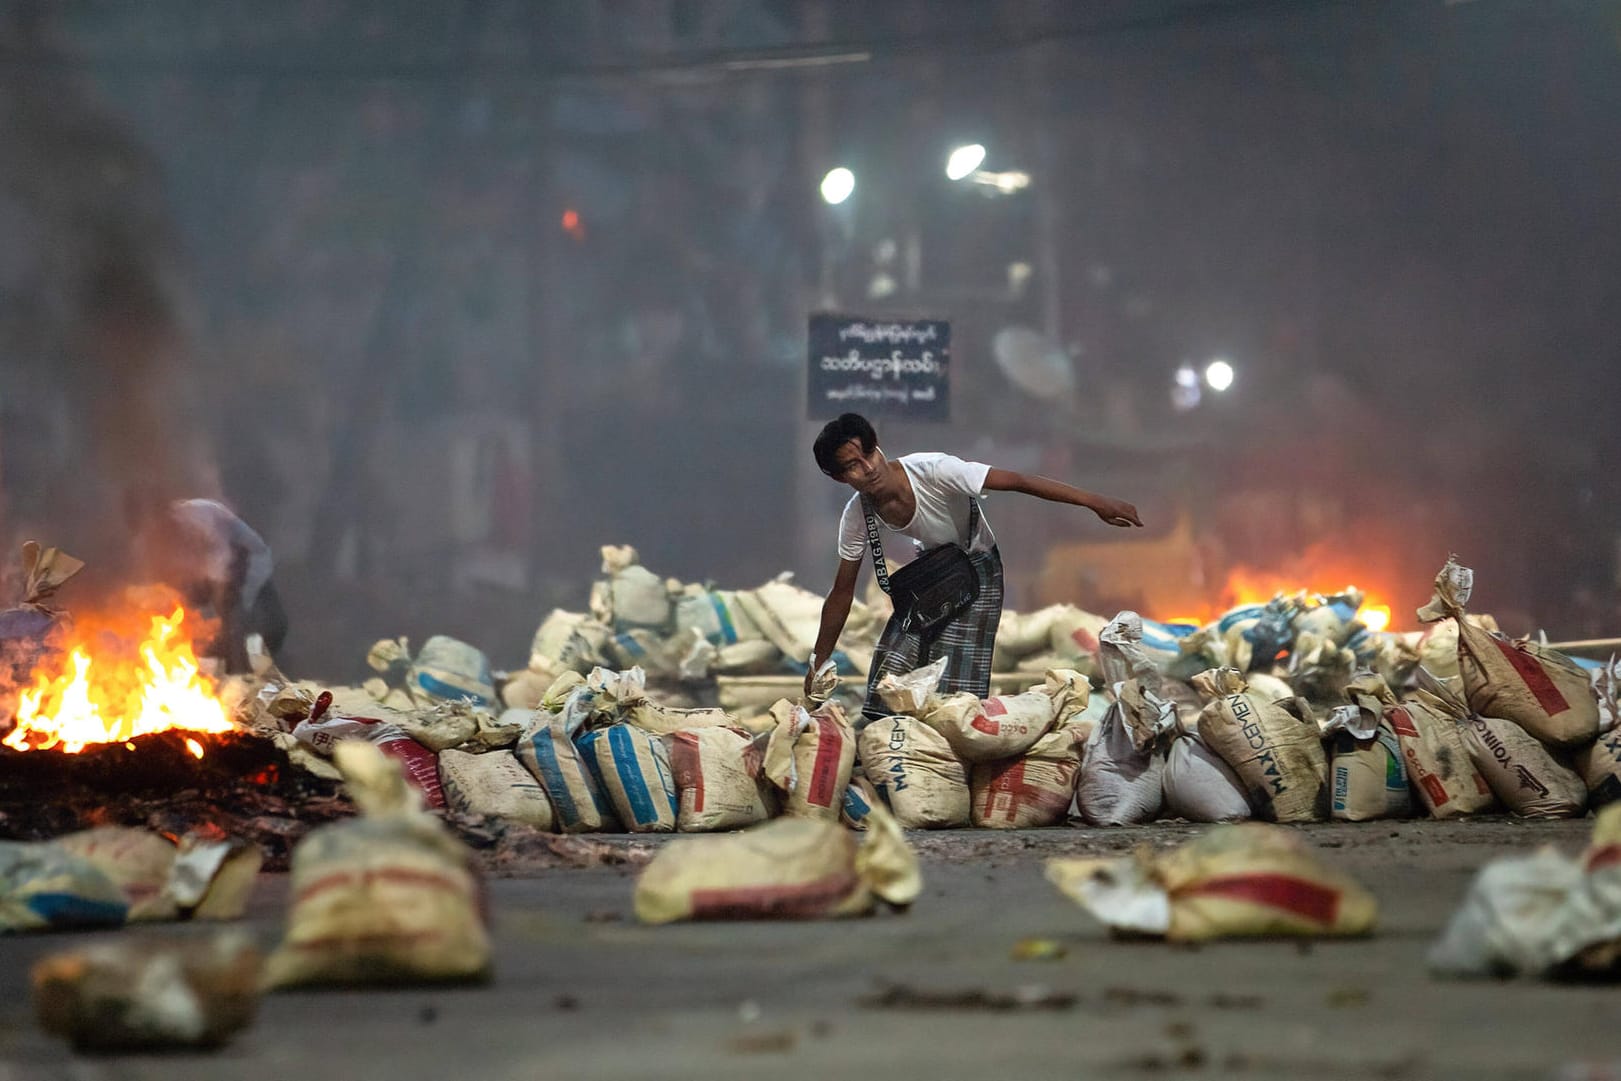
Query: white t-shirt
column 943, row 485
column 215, row 531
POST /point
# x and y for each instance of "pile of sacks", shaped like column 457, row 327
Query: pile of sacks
column 1463, row 721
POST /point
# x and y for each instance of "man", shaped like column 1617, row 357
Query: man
column 928, row 500
column 220, row 565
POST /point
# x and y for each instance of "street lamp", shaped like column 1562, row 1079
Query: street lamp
column 837, row 185
column 964, row 160
column 1219, row 374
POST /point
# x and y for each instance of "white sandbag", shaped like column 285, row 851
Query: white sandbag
column 1035, row 789
column 633, row 767
column 715, row 615
column 1274, row 746
column 631, row 596
column 448, row 670
column 916, row 772
column 809, row 757
column 719, row 780
column 910, row 692
column 1199, row 786
column 790, row 618
column 496, row 784
column 1121, row 781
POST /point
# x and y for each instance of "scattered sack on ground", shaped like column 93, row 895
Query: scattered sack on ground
column 195, row 878
column 1439, row 767
column 788, row 868
column 495, row 784
column 719, row 779
column 1520, row 772
column 916, row 772
column 633, row 767
column 809, row 757
column 1199, row 786
column 386, row 898
column 1121, row 781
column 1542, row 914
column 1274, row 746
column 1539, row 689
column 43, row 886
column 1035, row 789
column 1233, row 881
column 146, row 995
column 1367, row 777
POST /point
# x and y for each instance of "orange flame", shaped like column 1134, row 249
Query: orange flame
column 103, row 698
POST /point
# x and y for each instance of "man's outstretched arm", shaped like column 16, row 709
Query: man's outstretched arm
column 1113, row 511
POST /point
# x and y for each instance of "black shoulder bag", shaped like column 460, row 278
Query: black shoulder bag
column 934, row 588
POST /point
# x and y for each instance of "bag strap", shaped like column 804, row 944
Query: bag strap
column 877, row 546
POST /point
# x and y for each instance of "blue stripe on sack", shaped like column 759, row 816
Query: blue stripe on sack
column 551, row 777
column 1343, row 609
column 666, row 779
column 1165, row 637
column 586, row 745
column 728, row 633
column 449, row 692
column 855, row 804
column 622, row 747
column 629, row 645
column 1585, row 664
column 70, row 910
column 1240, row 615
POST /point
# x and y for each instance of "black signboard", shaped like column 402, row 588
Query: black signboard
column 879, row 367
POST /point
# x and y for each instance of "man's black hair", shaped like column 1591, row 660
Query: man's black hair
column 836, row 433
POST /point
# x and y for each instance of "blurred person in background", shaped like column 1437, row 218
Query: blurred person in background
column 929, row 500
column 219, row 564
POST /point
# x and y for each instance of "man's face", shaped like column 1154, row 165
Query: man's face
column 856, row 469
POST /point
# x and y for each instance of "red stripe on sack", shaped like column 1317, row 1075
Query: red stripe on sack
column 765, row 902
column 688, row 767
column 396, row 876
column 1534, row 677
column 1434, row 789
column 825, row 770
column 994, row 707
column 1085, row 639
column 985, row 724
column 1599, row 858
column 1296, row 896
column 1402, row 722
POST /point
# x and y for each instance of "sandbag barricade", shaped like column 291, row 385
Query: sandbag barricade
column 1272, row 746
column 915, row 771
column 719, row 779
column 809, row 757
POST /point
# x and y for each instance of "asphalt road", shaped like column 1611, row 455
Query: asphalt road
column 582, row 991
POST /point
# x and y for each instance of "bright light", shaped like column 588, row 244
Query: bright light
column 1186, row 376
column 1219, row 374
column 837, row 185
column 964, row 160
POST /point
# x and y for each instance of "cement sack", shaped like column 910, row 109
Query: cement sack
column 714, row 615
column 1004, row 725
column 752, row 658
column 632, row 767
column 569, row 641
column 1439, row 766
column 1122, row 770
column 323, row 735
column 1073, row 633
column 649, row 716
column 1539, row 689
column 1020, row 635
column 196, row 878
column 459, row 725
column 1367, row 778
column 1268, row 687
column 911, row 692
column 1162, row 644
column 789, row 868
column 790, row 618
column 1233, row 881
column 1600, row 767
column 1541, row 915
column 859, row 797
column 524, row 690
column 388, row 898
column 916, row 772
column 448, row 670
column 494, row 784
column 43, row 887
column 632, row 596
column 1606, row 683
column 719, row 780
column 1273, row 746
column 578, row 803
column 1320, row 671
column 1199, row 786
column 1120, row 653
column 809, row 757
column 658, row 656
column 1035, row 789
